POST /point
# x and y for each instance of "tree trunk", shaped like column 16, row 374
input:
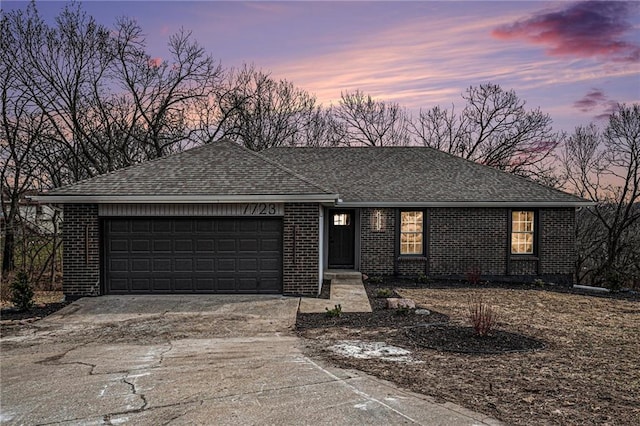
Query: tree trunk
column 8, row 263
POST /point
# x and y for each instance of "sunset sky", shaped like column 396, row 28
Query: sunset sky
column 574, row 60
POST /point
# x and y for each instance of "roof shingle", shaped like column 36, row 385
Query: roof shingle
column 411, row 174
column 221, row 168
column 382, row 175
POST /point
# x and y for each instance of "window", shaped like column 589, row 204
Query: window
column 522, row 232
column 341, row 219
column 411, row 233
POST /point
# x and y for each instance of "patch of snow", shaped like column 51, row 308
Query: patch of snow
column 5, row 417
column 371, row 350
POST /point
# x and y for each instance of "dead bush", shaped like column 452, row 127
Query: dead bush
column 482, row 317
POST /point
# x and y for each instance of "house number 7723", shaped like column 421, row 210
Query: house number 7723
column 260, row 209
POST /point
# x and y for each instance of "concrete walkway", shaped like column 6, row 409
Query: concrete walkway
column 347, row 290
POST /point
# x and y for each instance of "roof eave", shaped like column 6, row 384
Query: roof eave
column 184, row 199
column 503, row 204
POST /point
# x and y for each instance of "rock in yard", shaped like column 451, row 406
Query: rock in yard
column 423, row 312
column 395, row 303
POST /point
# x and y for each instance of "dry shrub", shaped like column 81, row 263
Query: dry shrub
column 482, row 316
column 5, row 286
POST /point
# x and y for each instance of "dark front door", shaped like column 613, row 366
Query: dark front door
column 341, row 238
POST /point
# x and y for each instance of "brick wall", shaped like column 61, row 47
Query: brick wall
column 466, row 239
column 557, row 248
column 300, row 252
column 377, row 247
column 81, row 250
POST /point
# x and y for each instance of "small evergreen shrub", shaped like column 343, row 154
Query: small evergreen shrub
column 403, row 311
column 538, row 282
column 335, row 312
column 423, row 279
column 21, row 292
column 375, row 280
column 384, row 292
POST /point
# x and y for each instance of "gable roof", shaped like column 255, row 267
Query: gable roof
column 412, row 176
column 364, row 176
column 218, row 172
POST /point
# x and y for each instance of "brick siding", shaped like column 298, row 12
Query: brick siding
column 300, row 251
column 377, row 247
column 459, row 240
column 557, row 247
column 81, row 262
column 464, row 240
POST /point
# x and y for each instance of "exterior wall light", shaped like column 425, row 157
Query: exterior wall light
column 377, row 221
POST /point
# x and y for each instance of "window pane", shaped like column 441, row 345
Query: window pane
column 411, row 226
column 341, row 219
column 522, row 232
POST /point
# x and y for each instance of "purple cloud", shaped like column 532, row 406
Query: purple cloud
column 596, row 99
column 585, row 29
column 590, row 100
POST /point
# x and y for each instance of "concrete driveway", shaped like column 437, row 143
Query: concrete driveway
column 155, row 360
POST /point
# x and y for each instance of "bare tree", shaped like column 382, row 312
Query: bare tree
column 494, row 129
column 79, row 99
column 164, row 99
column 264, row 112
column 371, row 122
column 322, row 129
column 22, row 128
column 603, row 166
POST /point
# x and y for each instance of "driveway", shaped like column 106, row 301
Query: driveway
column 155, row 360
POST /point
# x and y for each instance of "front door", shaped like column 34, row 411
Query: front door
column 341, row 239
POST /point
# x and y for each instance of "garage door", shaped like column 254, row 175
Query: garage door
column 193, row 255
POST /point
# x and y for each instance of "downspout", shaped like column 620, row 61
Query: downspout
column 320, row 247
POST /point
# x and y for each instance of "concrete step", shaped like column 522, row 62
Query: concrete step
column 339, row 274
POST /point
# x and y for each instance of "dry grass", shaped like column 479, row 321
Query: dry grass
column 588, row 374
column 40, row 298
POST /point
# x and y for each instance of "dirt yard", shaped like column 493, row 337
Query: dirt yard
column 588, row 372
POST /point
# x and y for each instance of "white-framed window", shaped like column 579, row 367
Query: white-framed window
column 341, row 219
column 411, row 232
column 522, row 232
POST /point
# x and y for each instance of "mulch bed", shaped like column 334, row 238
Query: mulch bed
column 46, row 303
column 451, row 338
column 37, row 312
column 429, row 331
column 380, row 317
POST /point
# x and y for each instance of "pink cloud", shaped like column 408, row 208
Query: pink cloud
column 584, row 30
column 155, row 62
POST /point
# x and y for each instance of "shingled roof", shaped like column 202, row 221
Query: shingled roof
column 222, row 171
column 414, row 176
column 387, row 176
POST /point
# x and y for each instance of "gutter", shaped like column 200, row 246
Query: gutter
column 504, row 204
column 183, row 199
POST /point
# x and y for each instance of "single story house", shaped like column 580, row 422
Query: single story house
column 222, row 219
